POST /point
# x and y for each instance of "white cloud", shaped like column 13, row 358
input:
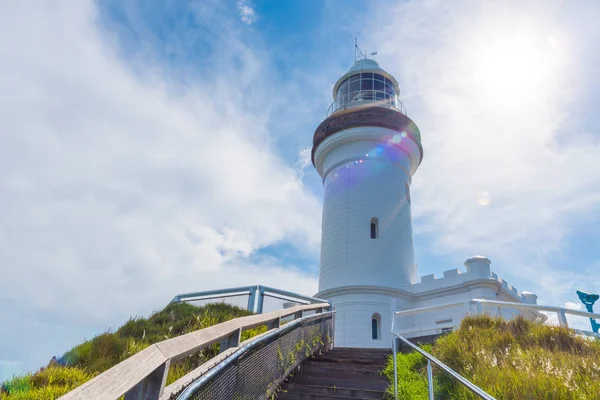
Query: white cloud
column 497, row 90
column 573, row 306
column 576, row 321
column 117, row 194
column 247, row 13
column 304, row 158
column 304, row 162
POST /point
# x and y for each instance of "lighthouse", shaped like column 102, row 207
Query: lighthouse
column 366, row 152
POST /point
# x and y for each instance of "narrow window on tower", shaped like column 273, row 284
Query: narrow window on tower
column 375, row 326
column 407, row 192
column 374, row 228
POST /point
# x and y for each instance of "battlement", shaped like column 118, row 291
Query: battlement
column 477, row 269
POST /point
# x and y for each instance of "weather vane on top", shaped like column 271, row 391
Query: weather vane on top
column 359, row 54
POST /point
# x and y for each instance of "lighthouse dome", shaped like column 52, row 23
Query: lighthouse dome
column 365, row 63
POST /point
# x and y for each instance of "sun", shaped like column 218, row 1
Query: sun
column 513, row 67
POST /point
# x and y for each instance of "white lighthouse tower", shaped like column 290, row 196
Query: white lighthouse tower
column 366, row 151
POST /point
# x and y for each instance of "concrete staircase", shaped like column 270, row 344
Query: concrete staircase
column 342, row 373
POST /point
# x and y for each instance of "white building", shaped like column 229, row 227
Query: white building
column 366, row 151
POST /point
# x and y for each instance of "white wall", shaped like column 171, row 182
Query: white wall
column 353, row 320
column 358, row 188
column 365, row 173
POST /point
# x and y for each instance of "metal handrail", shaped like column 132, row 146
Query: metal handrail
column 431, row 359
column 478, row 303
column 536, row 307
column 363, row 97
column 237, row 291
column 144, row 373
column 430, row 308
column 252, row 292
column 290, row 295
column 198, row 383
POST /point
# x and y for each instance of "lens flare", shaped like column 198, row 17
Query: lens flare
column 396, row 139
column 484, row 198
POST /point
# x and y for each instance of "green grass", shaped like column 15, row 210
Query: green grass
column 518, row 359
column 94, row 356
column 412, row 375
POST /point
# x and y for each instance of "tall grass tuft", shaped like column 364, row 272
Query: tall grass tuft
column 412, row 375
column 48, row 383
column 517, row 359
column 94, row 356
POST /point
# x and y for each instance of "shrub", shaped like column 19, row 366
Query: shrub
column 68, row 377
column 104, row 351
column 16, row 384
column 48, row 383
column 518, row 359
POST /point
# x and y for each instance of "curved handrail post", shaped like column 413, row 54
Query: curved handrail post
column 468, row 384
column 395, row 355
column 430, row 380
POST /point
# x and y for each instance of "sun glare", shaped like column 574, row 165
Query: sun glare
column 514, row 67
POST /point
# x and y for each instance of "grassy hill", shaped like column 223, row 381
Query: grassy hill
column 518, row 360
column 94, row 356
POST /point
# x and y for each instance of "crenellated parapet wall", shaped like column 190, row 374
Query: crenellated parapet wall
column 477, row 270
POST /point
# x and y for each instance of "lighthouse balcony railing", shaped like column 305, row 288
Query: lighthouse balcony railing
column 364, row 97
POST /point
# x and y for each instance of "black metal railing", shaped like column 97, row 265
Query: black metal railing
column 256, row 370
column 362, row 97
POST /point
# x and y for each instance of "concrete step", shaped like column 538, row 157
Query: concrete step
column 308, row 391
column 326, row 368
column 369, row 352
column 341, row 374
column 344, row 381
column 373, row 360
column 348, row 359
column 359, row 349
column 310, row 396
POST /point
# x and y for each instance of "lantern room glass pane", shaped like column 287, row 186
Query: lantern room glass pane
column 353, row 96
column 344, row 89
column 367, row 95
column 366, row 84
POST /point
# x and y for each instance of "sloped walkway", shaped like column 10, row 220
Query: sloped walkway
column 343, row 373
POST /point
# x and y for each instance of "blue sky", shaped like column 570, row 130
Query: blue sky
column 156, row 147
